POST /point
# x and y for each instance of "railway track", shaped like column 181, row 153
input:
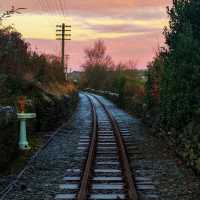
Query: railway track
column 98, row 166
column 106, row 173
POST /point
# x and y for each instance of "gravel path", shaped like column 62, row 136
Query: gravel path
column 149, row 157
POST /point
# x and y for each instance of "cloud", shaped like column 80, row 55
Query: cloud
column 130, row 28
column 97, row 7
column 141, row 48
column 44, row 26
column 123, row 29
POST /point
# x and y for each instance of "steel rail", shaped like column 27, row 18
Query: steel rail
column 88, row 169
column 127, row 173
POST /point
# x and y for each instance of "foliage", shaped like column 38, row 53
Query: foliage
column 190, row 144
column 154, row 77
column 180, row 89
column 13, row 52
column 101, row 73
column 46, row 69
column 176, row 73
column 61, row 89
column 16, row 59
column 8, row 137
column 51, row 111
column 96, row 66
column 40, row 78
column 97, row 55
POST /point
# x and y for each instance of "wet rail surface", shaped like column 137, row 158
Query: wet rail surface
column 106, row 173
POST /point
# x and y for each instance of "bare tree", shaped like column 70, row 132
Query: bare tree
column 8, row 13
column 132, row 64
column 97, row 65
column 97, row 55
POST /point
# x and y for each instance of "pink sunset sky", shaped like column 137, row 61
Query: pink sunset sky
column 131, row 29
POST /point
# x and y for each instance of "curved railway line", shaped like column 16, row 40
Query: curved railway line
column 100, row 168
column 106, row 173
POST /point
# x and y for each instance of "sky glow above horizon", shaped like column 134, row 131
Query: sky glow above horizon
column 131, row 29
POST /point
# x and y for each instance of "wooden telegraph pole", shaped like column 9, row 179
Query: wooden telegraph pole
column 62, row 35
column 67, row 57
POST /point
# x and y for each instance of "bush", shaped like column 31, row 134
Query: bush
column 175, row 75
column 51, row 111
column 8, row 135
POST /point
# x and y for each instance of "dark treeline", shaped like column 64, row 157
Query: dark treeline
column 173, row 86
column 16, row 59
column 101, row 73
column 21, row 66
column 168, row 98
column 40, row 80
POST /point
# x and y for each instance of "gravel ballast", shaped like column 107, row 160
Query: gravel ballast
column 154, row 159
column 149, row 157
column 41, row 180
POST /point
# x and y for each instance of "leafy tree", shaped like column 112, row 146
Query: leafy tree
column 180, row 87
column 154, row 77
column 176, row 72
column 13, row 52
column 16, row 59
